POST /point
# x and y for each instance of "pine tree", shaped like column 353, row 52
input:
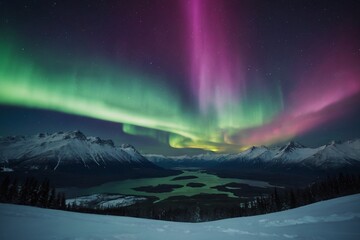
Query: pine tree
column 293, row 203
column 52, row 199
column 13, row 192
column 63, row 201
column 44, row 194
column 58, row 201
column 4, row 188
column 277, row 200
column 34, row 192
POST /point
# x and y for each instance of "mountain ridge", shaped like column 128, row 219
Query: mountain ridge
column 332, row 155
column 73, row 159
column 47, row 151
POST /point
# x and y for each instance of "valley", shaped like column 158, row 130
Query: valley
column 211, row 184
column 96, row 176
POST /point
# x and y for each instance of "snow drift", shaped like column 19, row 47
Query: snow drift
column 333, row 219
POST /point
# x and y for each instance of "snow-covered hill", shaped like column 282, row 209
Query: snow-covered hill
column 331, row 220
column 63, row 151
column 330, row 156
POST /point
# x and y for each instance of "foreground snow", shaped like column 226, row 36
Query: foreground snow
column 333, row 219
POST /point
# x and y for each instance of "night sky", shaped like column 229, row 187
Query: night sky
column 182, row 76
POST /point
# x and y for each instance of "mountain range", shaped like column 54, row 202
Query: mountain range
column 72, row 155
column 334, row 155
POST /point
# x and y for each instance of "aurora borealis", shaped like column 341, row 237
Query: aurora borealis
column 208, row 74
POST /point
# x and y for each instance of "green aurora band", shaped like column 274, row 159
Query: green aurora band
column 145, row 105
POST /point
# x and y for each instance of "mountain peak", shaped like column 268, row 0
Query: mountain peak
column 74, row 135
column 334, row 142
column 290, row 146
column 295, row 144
column 60, row 149
column 100, row 141
column 257, row 147
column 252, row 148
column 126, row 145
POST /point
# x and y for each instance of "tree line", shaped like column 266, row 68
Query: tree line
column 32, row 193
column 279, row 200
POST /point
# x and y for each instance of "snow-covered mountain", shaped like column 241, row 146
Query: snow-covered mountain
column 336, row 154
column 67, row 151
column 330, row 156
column 332, row 219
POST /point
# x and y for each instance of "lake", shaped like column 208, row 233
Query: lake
column 205, row 180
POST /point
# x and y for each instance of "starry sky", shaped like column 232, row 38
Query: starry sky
column 182, row 76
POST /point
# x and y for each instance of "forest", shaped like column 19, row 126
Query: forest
column 31, row 192
column 194, row 209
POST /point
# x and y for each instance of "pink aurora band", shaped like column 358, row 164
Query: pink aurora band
column 217, row 78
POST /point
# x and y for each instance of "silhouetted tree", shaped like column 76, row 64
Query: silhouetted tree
column 13, row 192
column 62, row 201
column 4, row 188
column 34, row 192
column 293, row 203
column 44, row 194
column 277, row 201
column 24, row 194
column 52, row 199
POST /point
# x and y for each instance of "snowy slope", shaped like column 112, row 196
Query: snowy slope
column 331, row 220
column 53, row 151
column 294, row 152
column 336, row 154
